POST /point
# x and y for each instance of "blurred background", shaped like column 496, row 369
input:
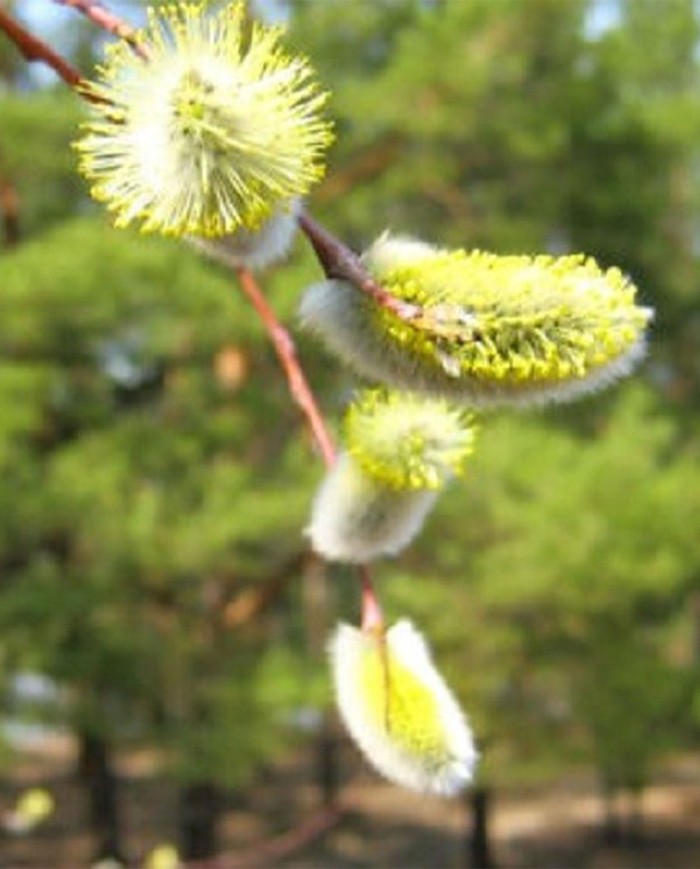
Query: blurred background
column 162, row 670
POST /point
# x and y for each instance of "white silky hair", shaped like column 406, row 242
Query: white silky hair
column 357, row 519
column 339, row 315
column 445, row 775
column 394, row 251
column 254, row 250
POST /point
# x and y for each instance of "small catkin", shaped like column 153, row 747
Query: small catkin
column 399, row 710
column 400, row 450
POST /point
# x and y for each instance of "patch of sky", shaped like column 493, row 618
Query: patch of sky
column 602, row 16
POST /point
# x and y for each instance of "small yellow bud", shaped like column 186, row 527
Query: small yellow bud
column 357, row 519
column 401, row 449
column 35, row 805
column 32, row 808
column 163, row 857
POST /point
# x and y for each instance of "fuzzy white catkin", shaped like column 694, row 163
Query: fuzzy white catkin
column 399, row 709
column 506, row 330
column 335, row 311
column 357, row 519
column 220, row 128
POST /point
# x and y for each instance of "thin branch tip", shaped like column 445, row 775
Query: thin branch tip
column 339, row 262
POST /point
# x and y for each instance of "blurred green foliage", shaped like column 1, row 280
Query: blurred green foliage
column 145, row 494
column 151, row 490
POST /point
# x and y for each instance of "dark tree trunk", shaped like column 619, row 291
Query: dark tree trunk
column 9, row 208
column 623, row 823
column 694, row 605
column 327, row 762
column 316, row 611
column 635, row 829
column 201, row 807
column 479, row 854
column 613, row 828
column 96, row 773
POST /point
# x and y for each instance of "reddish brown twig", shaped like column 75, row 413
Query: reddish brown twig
column 286, row 353
column 250, row 603
column 338, row 261
column 372, row 617
column 271, row 851
column 37, row 51
column 336, row 258
column 303, row 396
column 108, row 21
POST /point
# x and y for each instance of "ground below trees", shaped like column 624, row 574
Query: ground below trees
column 380, row 826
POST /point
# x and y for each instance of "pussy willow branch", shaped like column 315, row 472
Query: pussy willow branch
column 286, row 353
column 108, row 21
column 372, row 618
column 338, row 261
column 37, row 51
column 336, row 258
column 303, row 396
